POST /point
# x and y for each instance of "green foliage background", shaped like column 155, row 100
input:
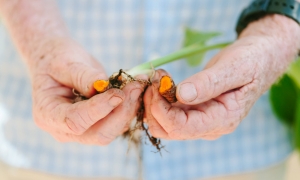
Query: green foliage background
column 285, row 100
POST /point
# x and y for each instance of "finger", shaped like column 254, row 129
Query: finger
column 160, row 110
column 210, row 126
column 80, row 73
column 82, row 115
column 239, row 101
column 221, row 115
column 45, row 102
column 114, row 124
column 54, row 111
column 158, row 74
column 207, row 118
column 120, row 119
column 229, row 72
column 155, row 128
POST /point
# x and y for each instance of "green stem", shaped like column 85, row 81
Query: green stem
column 182, row 53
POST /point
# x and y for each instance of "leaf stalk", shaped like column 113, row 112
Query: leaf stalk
column 193, row 49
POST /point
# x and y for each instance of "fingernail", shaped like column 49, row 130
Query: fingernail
column 135, row 94
column 187, row 92
column 115, row 100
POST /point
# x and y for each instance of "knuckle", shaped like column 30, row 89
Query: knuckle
column 75, row 128
column 240, row 109
column 79, row 79
column 94, row 112
column 163, row 72
column 206, row 86
column 113, row 91
column 85, row 121
column 212, row 81
column 76, row 67
column 93, row 102
column 135, row 85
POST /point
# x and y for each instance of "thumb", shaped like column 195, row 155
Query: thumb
column 80, row 76
column 83, row 79
column 211, row 82
column 69, row 64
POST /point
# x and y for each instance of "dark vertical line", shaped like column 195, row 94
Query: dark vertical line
column 139, row 59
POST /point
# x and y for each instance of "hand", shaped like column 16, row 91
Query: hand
column 57, row 65
column 213, row 102
column 62, row 65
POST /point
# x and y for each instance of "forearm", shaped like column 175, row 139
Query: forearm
column 31, row 24
column 276, row 42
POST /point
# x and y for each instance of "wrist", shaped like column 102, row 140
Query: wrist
column 281, row 31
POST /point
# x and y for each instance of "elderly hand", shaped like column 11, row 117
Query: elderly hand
column 56, row 66
column 64, row 65
column 213, row 102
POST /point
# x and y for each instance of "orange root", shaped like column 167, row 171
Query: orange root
column 167, row 89
column 166, row 84
column 101, row 85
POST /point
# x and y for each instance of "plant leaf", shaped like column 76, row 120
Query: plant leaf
column 297, row 124
column 193, row 37
column 283, row 97
column 195, row 60
column 294, row 72
column 285, row 100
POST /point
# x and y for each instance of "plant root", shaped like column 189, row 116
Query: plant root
column 167, row 89
column 119, row 81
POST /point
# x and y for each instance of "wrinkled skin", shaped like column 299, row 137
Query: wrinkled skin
column 224, row 92
column 57, row 64
column 214, row 101
column 98, row 120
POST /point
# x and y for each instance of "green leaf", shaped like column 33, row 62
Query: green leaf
column 283, row 97
column 297, row 124
column 195, row 60
column 285, row 100
column 193, row 37
column 294, row 72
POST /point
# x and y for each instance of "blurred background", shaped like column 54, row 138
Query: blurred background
column 293, row 167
